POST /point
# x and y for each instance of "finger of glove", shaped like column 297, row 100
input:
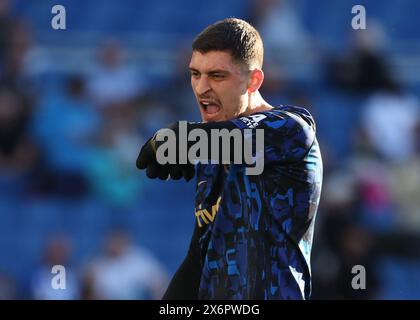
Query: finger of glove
column 145, row 157
column 176, row 172
column 188, row 172
column 164, row 171
column 153, row 170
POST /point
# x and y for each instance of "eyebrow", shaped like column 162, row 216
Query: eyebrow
column 212, row 71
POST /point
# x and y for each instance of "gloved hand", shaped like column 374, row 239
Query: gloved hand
column 147, row 160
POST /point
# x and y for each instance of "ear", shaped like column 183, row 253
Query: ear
column 255, row 81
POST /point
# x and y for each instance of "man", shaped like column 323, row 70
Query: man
column 253, row 233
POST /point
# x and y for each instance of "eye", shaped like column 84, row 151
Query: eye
column 217, row 76
column 194, row 74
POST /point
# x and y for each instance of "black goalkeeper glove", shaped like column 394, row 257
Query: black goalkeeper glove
column 147, row 160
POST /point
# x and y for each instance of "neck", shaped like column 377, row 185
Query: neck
column 256, row 103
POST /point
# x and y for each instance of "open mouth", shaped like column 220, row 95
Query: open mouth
column 210, row 108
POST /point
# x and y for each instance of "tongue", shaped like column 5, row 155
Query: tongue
column 212, row 108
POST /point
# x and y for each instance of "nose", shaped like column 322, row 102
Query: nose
column 202, row 85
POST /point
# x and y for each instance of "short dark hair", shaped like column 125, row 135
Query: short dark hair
column 237, row 36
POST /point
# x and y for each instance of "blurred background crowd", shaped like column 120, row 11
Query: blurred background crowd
column 77, row 104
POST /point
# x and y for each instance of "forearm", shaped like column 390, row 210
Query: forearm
column 186, row 142
column 174, row 151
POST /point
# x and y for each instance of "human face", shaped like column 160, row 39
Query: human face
column 220, row 85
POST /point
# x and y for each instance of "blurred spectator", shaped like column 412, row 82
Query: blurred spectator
column 112, row 174
column 405, row 185
column 344, row 241
column 18, row 152
column 356, row 249
column 57, row 252
column 66, row 125
column 16, row 69
column 281, row 29
column 389, row 119
column 113, row 81
column 288, row 48
column 125, row 271
column 87, row 285
column 376, row 210
column 5, row 27
column 362, row 68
